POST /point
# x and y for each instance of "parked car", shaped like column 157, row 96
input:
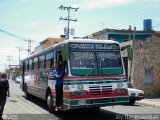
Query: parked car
column 134, row 94
column 18, row 79
column 26, row 79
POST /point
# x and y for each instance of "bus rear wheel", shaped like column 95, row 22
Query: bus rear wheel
column 95, row 108
column 50, row 102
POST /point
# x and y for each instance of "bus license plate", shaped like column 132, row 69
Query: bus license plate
column 82, row 102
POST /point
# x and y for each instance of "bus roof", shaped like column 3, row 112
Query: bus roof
column 89, row 41
column 71, row 40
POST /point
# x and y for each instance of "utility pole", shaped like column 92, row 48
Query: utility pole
column 29, row 46
column 68, row 19
column 9, row 58
column 19, row 50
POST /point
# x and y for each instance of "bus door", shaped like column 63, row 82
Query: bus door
column 60, row 60
column 58, row 56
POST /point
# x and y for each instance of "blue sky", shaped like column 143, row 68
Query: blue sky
column 39, row 19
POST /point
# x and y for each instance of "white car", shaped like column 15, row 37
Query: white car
column 134, row 94
column 18, row 79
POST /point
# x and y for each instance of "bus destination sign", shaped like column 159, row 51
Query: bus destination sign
column 94, row 46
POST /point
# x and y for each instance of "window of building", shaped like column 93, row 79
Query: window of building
column 35, row 63
column 148, row 75
column 30, row 64
column 41, row 61
column 49, row 60
column 27, row 65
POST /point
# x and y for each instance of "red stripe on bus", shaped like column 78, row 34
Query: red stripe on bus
column 89, row 95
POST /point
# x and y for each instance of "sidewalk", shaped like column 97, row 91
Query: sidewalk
column 150, row 102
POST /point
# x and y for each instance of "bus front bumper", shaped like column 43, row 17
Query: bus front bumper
column 100, row 102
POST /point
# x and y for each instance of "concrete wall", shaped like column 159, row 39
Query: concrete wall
column 146, row 55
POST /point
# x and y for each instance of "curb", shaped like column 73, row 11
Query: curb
column 148, row 104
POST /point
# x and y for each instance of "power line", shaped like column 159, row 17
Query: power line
column 68, row 19
column 13, row 35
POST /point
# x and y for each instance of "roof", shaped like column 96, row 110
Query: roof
column 122, row 31
column 55, row 39
column 88, row 41
column 73, row 40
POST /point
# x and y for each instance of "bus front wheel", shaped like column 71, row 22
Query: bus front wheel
column 50, row 102
column 26, row 94
column 132, row 101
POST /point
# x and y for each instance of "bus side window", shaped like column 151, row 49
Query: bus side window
column 41, row 61
column 30, row 64
column 35, row 62
column 49, row 60
column 58, row 57
column 27, row 65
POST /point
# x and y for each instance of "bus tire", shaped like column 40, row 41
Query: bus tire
column 95, row 108
column 26, row 94
column 50, row 102
column 132, row 101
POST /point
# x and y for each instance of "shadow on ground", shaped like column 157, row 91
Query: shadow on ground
column 79, row 114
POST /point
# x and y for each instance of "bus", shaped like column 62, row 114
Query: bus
column 94, row 74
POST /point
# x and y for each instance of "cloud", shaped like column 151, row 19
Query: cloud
column 92, row 4
column 10, row 51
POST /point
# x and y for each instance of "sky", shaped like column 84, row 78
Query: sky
column 39, row 19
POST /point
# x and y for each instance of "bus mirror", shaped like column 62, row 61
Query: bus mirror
column 130, row 53
column 65, row 52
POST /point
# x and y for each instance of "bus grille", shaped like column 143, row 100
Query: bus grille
column 100, row 90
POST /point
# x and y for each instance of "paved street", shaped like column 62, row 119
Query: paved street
column 19, row 108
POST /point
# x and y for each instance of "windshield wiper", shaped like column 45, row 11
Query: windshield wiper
column 93, row 69
column 101, row 65
column 101, row 71
column 88, row 73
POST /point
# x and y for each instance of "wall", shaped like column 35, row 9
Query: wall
column 147, row 55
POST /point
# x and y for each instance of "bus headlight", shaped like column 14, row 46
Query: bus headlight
column 78, row 93
column 121, row 90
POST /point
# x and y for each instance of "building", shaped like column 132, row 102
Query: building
column 120, row 35
column 144, row 69
column 50, row 41
column 13, row 72
column 38, row 48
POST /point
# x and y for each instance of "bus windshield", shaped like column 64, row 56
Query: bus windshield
column 95, row 63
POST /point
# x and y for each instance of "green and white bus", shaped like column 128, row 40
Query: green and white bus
column 94, row 74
